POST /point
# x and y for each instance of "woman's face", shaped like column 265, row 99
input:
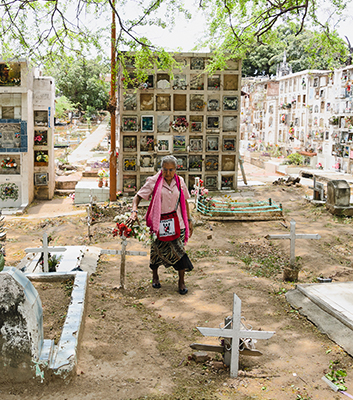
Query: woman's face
column 168, row 171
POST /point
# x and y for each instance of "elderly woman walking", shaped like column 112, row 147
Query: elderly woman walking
column 168, row 216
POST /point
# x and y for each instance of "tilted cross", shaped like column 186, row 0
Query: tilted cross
column 292, row 236
column 235, row 333
column 123, row 253
column 45, row 249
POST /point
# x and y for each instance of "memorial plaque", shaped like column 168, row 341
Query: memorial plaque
column 213, row 103
column 146, row 101
column 197, row 102
column 130, row 124
column 230, row 82
column 179, row 82
column 8, row 112
column 228, row 144
column 163, row 123
column 195, row 163
column 228, row 162
column 129, row 183
column 10, row 165
column 227, row 182
column 147, row 123
column 41, row 179
column 129, row 164
column 196, row 144
column 40, row 138
column 197, row 82
column 179, row 102
column 143, row 179
column 182, row 163
column 179, row 143
column 212, row 143
column 230, row 103
column 164, row 143
column 211, row 163
column 147, row 143
column 211, row 182
column 197, row 63
column 10, row 135
column 163, row 102
column 212, row 122
column 41, row 118
column 214, row 82
column 130, row 102
column 130, row 143
column 230, row 124
column 147, row 163
column 163, row 81
column 10, row 74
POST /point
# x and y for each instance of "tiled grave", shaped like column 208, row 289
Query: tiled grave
column 330, row 307
column 85, row 189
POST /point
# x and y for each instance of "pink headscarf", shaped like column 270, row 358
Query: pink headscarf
column 153, row 215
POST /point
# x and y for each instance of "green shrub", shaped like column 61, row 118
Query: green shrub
column 294, row 159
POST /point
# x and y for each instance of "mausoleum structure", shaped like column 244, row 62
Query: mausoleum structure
column 26, row 132
column 192, row 115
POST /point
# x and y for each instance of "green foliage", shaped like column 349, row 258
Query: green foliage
column 62, row 106
column 336, row 376
column 82, row 82
column 294, row 159
column 306, row 50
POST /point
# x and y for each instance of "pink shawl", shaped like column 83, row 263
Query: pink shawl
column 153, row 215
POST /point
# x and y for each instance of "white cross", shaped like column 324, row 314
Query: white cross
column 123, row 253
column 292, row 236
column 45, row 250
column 235, row 333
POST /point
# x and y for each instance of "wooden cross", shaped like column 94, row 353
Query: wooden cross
column 124, row 253
column 45, row 249
column 292, row 236
column 234, row 332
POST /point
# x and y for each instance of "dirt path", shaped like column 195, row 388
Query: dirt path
column 136, row 342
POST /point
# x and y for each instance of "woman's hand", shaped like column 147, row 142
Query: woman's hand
column 191, row 228
column 132, row 219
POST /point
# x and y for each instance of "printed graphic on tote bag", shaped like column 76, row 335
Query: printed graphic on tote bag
column 167, row 227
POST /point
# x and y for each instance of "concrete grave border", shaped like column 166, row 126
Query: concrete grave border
column 61, row 359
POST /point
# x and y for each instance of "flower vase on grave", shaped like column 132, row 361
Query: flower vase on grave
column 106, row 183
column 100, row 182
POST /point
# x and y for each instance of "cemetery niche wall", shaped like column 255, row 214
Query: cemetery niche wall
column 26, row 131
column 193, row 116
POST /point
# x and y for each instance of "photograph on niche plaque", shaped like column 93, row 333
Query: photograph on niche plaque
column 130, row 102
column 211, row 163
column 196, row 144
column 195, row 163
column 230, row 103
column 229, row 124
column 147, row 143
column 212, row 143
column 228, row 144
column 182, row 163
column 41, row 179
column 179, row 143
column 147, row 123
column 211, row 181
column 212, row 122
column 41, row 118
column 129, row 183
column 130, row 143
column 163, row 123
column 129, row 164
column 164, row 143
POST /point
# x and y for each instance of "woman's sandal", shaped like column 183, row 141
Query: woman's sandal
column 156, row 285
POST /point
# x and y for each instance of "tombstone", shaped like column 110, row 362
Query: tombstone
column 338, row 198
column 318, row 191
column 21, row 322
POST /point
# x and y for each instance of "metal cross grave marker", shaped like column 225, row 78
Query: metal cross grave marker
column 124, row 253
column 292, row 236
column 235, row 333
column 45, row 249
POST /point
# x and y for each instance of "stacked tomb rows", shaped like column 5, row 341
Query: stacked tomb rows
column 191, row 115
column 23, row 103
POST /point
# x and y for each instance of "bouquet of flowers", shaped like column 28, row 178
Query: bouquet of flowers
column 102, row 173
column 41, row 157
column 8, row 163
column 180, row 124
column 139, row 232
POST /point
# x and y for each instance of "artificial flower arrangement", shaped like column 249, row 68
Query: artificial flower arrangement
column 203, row 195
column 42, row 157
column 137, row 231
column 180, row 124
column 8, row 163
column 102, row 173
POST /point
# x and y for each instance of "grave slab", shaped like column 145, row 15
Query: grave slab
column 85, row 189
column 330, row 307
